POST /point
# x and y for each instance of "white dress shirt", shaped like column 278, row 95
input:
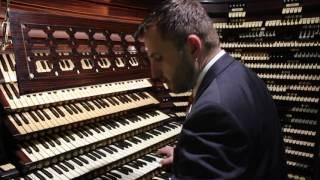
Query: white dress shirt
column 205, row 70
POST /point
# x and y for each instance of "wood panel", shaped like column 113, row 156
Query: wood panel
column 25, row 48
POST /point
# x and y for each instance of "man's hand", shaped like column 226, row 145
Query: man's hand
column 167, row 151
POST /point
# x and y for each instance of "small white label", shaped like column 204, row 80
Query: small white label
column 236, row 9
column 292, row 5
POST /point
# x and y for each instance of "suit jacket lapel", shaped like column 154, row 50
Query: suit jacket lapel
column 213, row 72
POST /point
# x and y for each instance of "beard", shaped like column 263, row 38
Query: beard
column 185, row 74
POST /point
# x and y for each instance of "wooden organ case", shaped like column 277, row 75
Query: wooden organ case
column 77, row 98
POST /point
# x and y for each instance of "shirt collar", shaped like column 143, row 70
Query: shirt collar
column 205, row 70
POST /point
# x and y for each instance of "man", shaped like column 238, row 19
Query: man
column 232, row 130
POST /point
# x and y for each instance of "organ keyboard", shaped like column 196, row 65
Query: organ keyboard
column 106, row 155
column 58, row 132
column 135, row 169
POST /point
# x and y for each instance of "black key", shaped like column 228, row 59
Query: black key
column 113, row 149
column 26, row 147
column 121, row 99
column 4, row 65
column 24, row 119
column 62, row 64
column 111, row 177
column 77, row 133
column 136, row 140
column 43, row 143
column 145, row 95
column 34, row 147
column 67, row 63
column 134, row 97
column 141, row 162
column 27, row 178
column 126, row 121
column 100, row 128
column 87, row 130
column 132, row 141
column 43, row 65
column 91, row 157
column 107, row 150
column 86, row 62
column 65, row 137
column 7, row 91
column 77, row 162
column 10, row 61
column 63, row 167
column 78, row 108
column 90, row 106
column 144, row 116
column 83, row 104
column 106, row 125
column 70, row 136
column 153, row 132
column 39, row 115
column 110, row 101
column 59, row 111
column 96, row 104
column 49, row 141
column 39, row 176
column 94, row 128
column 114, row 124
column 128, row 169
column 121, row 122
column 33, row 115
column 133, row 165
column 46, row 114
column 68, row 109
column 46, row 173
column 146, row 159
column 71, row 106
column 83, row 131
column 127, row 144
column 115, row 101
column 14, row 90
column 66, row 163
column 96, row 155
column 104, row 102
column 83, row 160
column 100, row 153
column 124, row 171
column 118, row 146
column 54, row 112
column 56, row 140
column 116, row 175
column 57, row 170
column 151, row 158
column 128, row 98
column 103, row 177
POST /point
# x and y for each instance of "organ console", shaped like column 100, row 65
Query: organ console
column 77, row 98
column 77, row 101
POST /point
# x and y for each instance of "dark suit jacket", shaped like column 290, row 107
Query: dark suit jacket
column 232, row 131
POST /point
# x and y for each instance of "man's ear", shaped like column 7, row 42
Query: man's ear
column 195, row 45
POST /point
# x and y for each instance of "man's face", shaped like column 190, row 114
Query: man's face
column 174, row 65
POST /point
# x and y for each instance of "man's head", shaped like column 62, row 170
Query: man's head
column 178, row 36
